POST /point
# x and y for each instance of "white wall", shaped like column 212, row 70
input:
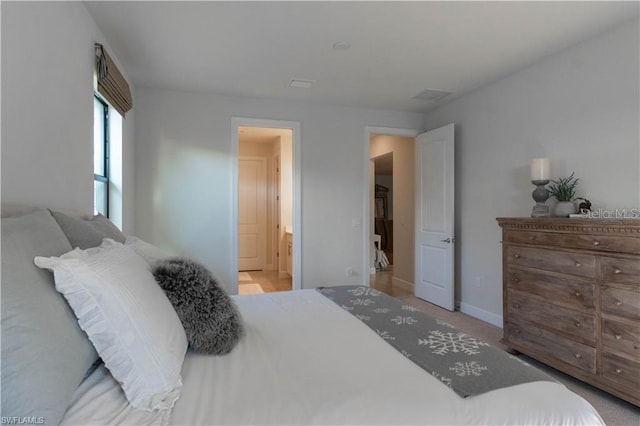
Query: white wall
column 47, row 108
column 183, row 177
column 580, row 109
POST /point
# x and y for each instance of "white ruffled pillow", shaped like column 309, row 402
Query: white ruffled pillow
column 150, row 253
column 127, row 317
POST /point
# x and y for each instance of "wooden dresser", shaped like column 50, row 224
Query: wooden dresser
column 571, row 297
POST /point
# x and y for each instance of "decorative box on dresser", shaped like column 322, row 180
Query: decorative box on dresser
column 571, row 297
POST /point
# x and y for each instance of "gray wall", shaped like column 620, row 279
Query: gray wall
column 47, row 109
column 579, row 108
column 184, row 164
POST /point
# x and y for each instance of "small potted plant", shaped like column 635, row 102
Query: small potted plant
column 564, row 190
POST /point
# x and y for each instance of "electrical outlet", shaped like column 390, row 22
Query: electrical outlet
column 350, row 272
column 479, row 282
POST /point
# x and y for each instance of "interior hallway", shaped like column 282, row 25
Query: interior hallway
column 381, row 280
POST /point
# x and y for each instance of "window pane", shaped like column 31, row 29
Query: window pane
column 100, row 197
column 98, row 138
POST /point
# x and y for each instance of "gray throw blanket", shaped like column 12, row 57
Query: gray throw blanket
column 466, row 365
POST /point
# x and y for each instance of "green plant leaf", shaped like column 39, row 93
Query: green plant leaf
column 564, row 189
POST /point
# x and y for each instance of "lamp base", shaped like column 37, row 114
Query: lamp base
column 540, row 210
column 540, row 196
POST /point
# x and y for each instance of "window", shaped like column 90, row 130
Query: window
column 100, row 156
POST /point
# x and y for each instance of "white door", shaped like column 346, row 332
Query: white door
column 252, row 212
column 434, row 255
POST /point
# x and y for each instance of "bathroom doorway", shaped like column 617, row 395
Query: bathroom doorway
column 265, row 211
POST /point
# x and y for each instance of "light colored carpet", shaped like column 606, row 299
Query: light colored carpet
column 614, row 411
column 249, row 288
column 244, row 276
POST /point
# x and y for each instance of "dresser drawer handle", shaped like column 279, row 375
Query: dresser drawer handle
column 618, row 370
column 517, row 256
column 578, row 356
column 578, row 294
column 617, row 336
column 532, row 237
column 617, row 271
column 516, row 305
column 517, row 331
column 596, row 243
column 578, row 324
column 578, row 265
column 515, row 280
column 618, row 303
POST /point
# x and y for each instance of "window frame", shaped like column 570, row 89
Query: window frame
column 104, row 178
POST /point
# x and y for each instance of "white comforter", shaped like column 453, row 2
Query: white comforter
column 306, row 361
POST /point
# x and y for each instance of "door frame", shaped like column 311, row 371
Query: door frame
column 367, row 221
column 296, row 279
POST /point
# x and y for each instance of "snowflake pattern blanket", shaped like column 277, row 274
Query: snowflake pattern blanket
column 466, row 365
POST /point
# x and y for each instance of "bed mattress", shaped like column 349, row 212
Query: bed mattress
column 304, row 360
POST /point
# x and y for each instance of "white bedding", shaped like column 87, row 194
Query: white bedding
column 306, row 361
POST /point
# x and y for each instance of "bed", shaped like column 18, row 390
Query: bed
column 305, row 359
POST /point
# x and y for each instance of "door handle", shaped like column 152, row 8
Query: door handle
column 448, row 240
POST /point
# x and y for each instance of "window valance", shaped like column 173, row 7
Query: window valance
column 111, row 83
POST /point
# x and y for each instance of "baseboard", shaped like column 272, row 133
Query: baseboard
column 283, row 274
column 402, row 284
column 481, row 314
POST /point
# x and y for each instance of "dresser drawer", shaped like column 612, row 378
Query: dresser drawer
column 542, row 238
column 622, row 301
column 561, row 290
column 579, row 241
column 549, row 315
column 626, row 271
column 549, row 345
column 582, row 265
column 621, row 338
column 621, row 370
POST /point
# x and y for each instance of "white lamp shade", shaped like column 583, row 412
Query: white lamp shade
column 540, row 169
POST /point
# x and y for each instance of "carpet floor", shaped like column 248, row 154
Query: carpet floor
column 614, row 411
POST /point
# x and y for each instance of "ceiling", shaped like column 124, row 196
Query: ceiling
column 397, row 49
column 249, row 134
column 384, row 164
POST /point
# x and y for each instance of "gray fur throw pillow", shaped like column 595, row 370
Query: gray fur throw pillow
column 210, row 319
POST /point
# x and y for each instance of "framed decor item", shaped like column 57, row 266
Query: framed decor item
column 381, row 201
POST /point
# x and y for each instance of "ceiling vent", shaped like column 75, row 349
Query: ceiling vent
column 301, row 84
column 430, row 95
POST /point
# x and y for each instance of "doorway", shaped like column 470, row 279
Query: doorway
column 392, row 212
column 383, row 210
column 432, row 226
column 266, row 208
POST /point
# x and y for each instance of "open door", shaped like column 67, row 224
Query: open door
column 434, row 230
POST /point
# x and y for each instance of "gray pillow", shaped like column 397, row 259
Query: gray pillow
column 210, row 319
column 45, row 354
column 87, row 233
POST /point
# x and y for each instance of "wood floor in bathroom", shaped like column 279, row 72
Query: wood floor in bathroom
column 270, row 281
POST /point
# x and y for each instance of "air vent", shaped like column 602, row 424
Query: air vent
column 301, row 84
column 431, row 95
